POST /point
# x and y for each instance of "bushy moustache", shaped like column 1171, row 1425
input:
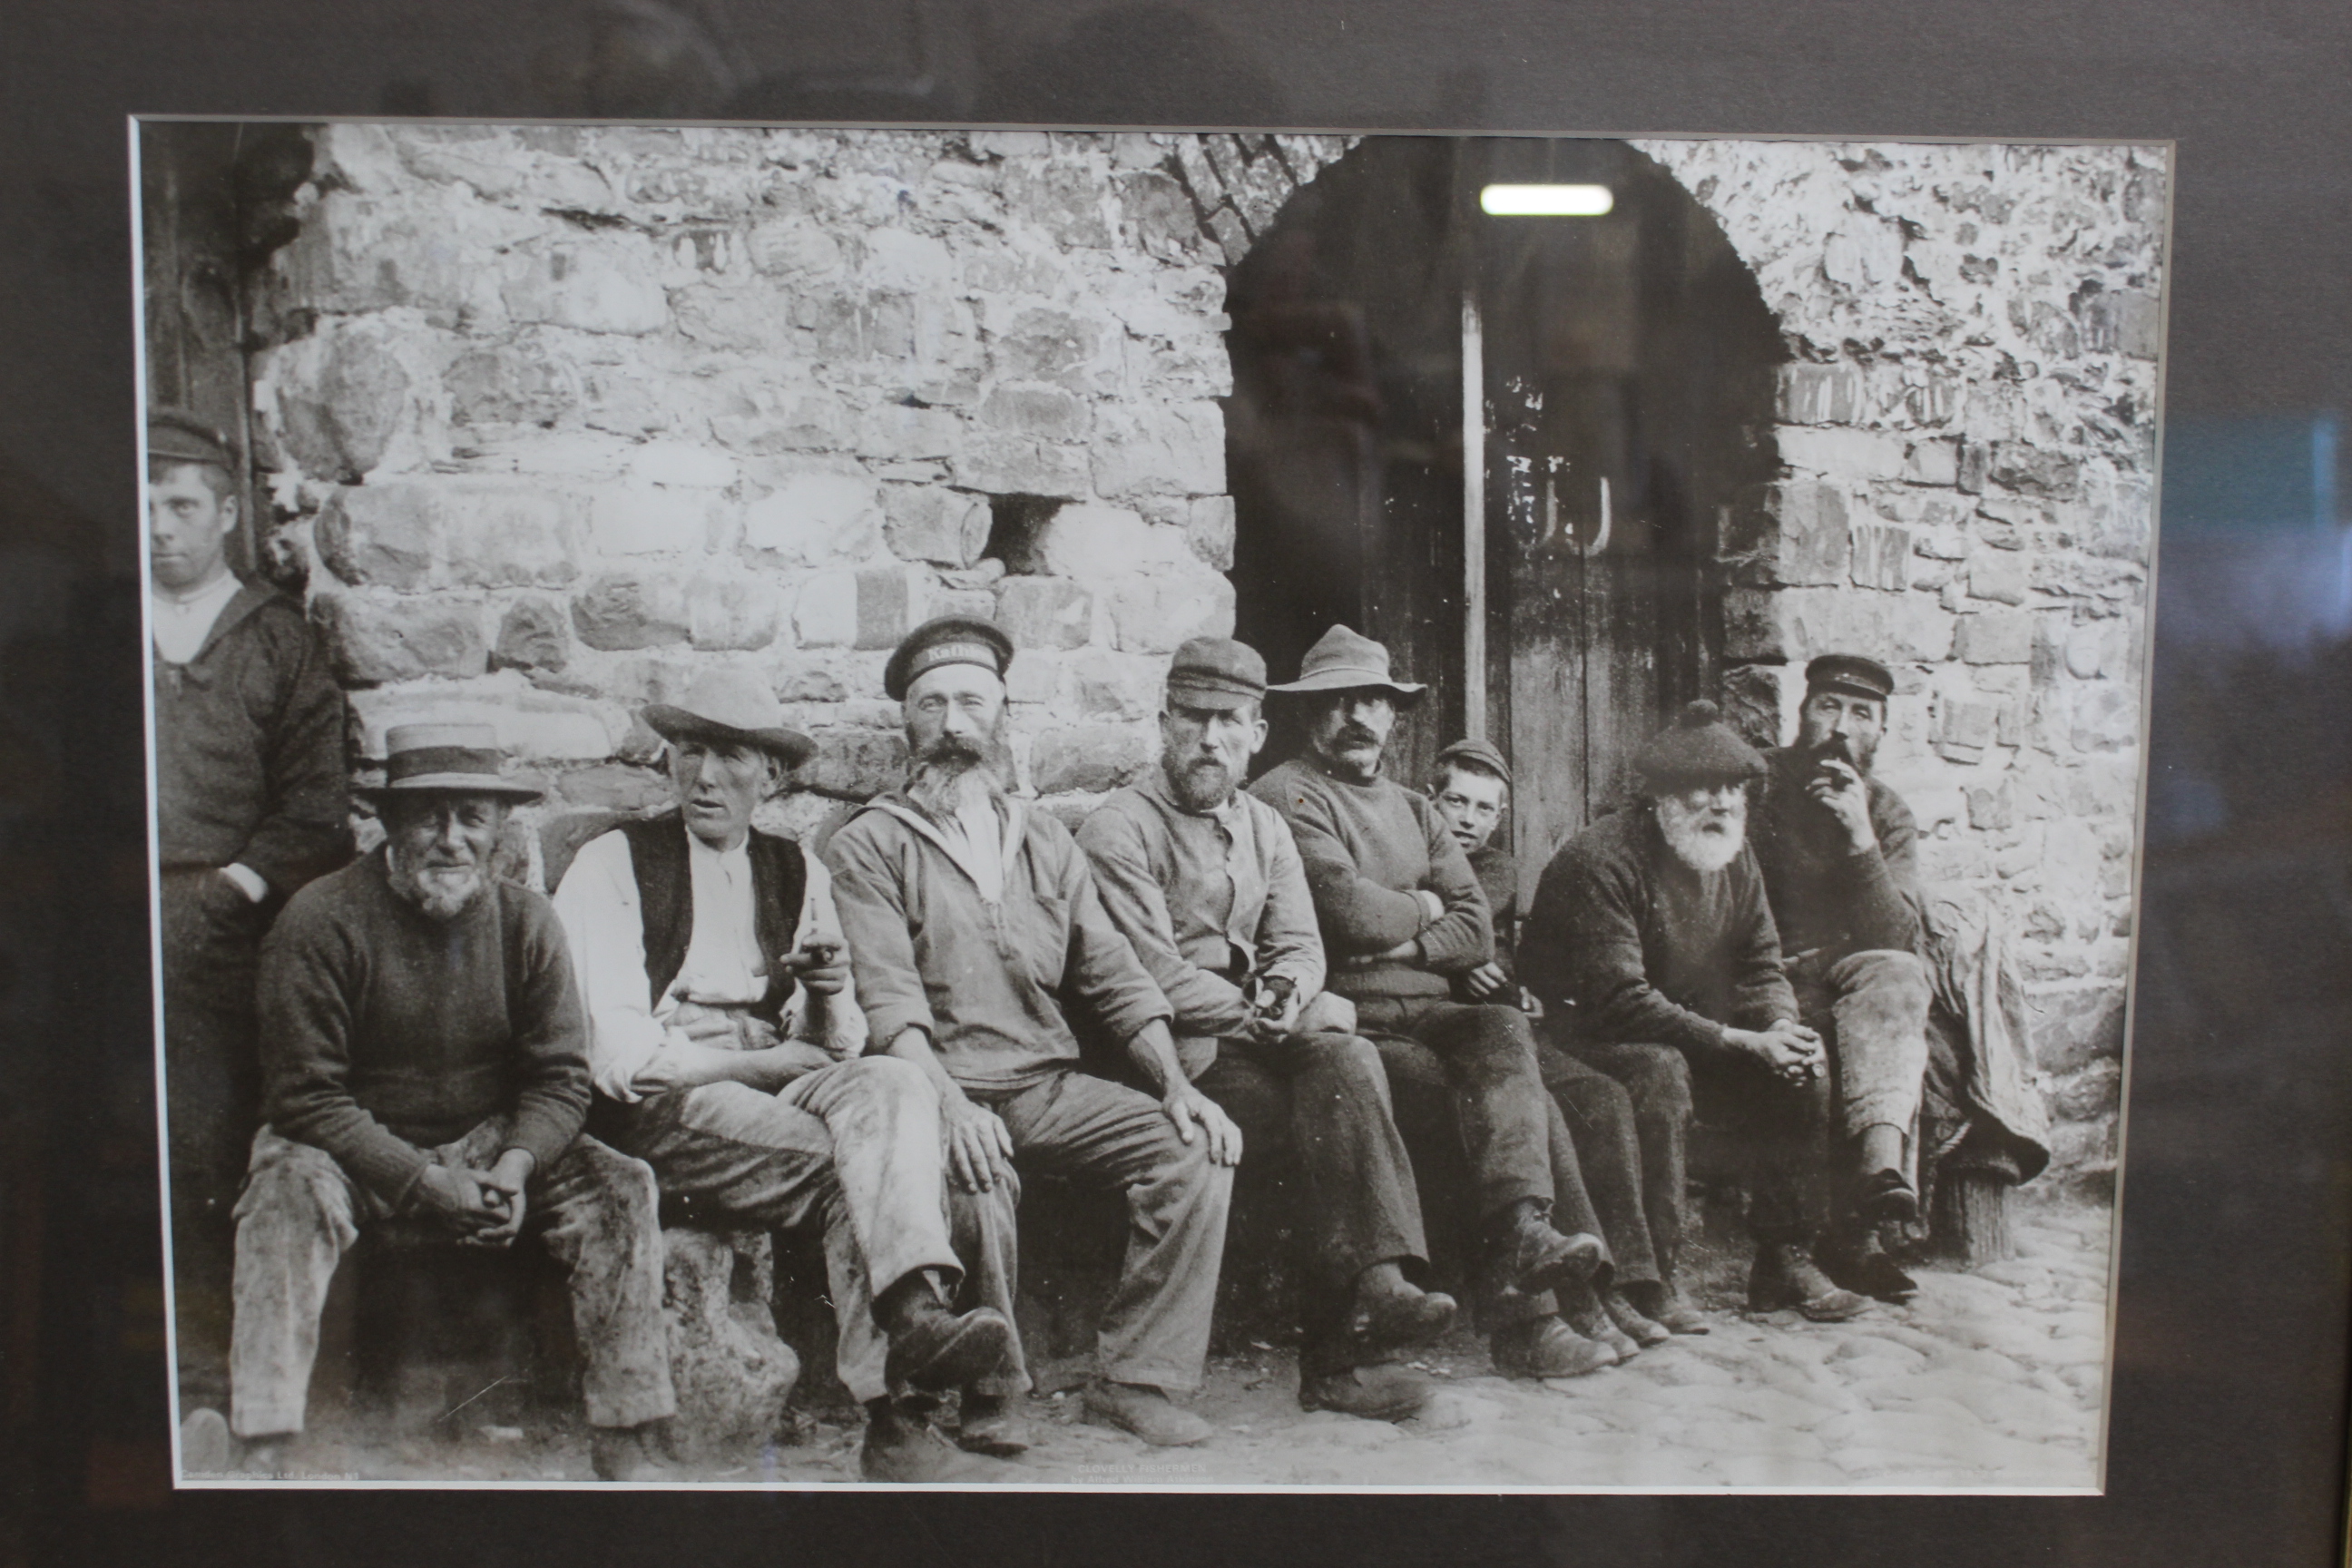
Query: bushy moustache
column 950, row 749
column 1356, row 735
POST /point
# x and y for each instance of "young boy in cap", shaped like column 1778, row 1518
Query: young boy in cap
column 1653, row 949
column 726, row 1044
column 1837, row 848
column 424, row 1057
column 250, row 804
column 1205, row 882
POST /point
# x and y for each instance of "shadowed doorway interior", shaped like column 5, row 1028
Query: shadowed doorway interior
column 1625, row 367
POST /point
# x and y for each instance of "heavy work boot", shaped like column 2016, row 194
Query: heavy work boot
column 1785, row 1275
column 933, row 1349
column 992, row 1423
column 907, row 1450
column 1546, row 1347
column 1381, row 1392
column 1532, row 1257
column 1387, row 1312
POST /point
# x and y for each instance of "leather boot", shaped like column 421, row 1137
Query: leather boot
column 1533, row 1257
column 1669, row 1308
column 1867, row 1266
column 1580, row 1309
column 1637, row 1325
column 933, row 1349
column 907, row 1450
column 1147, row 1412
column 992, row 1423
column 1546, row 1347
column 1388, row 1313
column 1885, row 1197
column 1785, row 1275
column 1381, row 1392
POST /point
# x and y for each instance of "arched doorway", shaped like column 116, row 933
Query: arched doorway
column 1628, row 356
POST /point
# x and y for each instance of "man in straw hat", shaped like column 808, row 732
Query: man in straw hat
column 424, row 1058
column 1207, row 885
column 1401, row 915
column 726, row 1048
column 973, row 924
column 250, row 804
column 1652, row 948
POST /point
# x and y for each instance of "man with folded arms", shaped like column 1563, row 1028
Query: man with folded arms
column 1206, row 883
column 1837, row 848
column 1401, row 914
column 1653, row 950
column 423, row 1058
column 726, row 1044
column 973, row 924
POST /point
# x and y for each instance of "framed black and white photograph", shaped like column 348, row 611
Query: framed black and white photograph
column 1054, row 809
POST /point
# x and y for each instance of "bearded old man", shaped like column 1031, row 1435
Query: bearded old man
column 1207, row 885
column 424, row 1058
column 726, row 1046
column 1837, row 848
column 1401, row 915
column 1652, row 948
column 974, row 926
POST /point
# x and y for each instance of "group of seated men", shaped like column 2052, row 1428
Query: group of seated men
column 1317, row 969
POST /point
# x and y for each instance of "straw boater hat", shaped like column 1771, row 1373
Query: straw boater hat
column 445, row 759
column 1697, row 749
column 1346, row 660
column 734, row 708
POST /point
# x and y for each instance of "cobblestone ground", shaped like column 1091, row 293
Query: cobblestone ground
column 1990, row 1379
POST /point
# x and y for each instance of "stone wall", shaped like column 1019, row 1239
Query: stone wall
column 557, row 415
column 1966, row 427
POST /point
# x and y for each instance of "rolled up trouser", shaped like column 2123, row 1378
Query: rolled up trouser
column 594, row 1212
column 1320, row 1103
column 1871, row 1009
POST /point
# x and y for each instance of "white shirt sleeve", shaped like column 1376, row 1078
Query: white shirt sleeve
column 605, row 927
column 845, row 1032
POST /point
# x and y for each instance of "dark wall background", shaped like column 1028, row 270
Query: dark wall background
column 2230, row 1400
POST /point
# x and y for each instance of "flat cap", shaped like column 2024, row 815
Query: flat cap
column 1478, row 754
column 1218, row 673
column 1850, row 672
column 946, row 640
column 1698, row 748
column 177, row 436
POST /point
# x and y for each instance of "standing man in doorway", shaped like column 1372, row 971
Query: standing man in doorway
column 1403, row 915
column 251, row 803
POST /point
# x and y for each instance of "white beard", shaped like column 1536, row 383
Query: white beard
column 1706, row 840
column 440, row 893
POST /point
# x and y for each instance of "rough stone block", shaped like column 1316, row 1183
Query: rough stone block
column 1049, row 413
column 609, row 284
column 380, row 535
column 2034, row 470
column 2072, row 1029
column 532, row 635
column 1882, row 556
column 854, row 764
column 1119, row 686
column 1993, row 810
column 682, row 464
column 1995, row 637
column 824, row 614
column 1155, row 613
column 809, row 421
column 817, row 520
column 1045, row 344
column 1976, row 461
column 1999, row 575
column 1840, row 452
column 642, row 520
column 934, row 524
column 796, row 246
column 900, row 433
column 340, row 418
column 1933, row 463
column 2107, row 718
column 374, row 641
column 734, row 612
column 890, row 603
column 631, row 609
column 1156, row 216
column 732, row 1372
column 1820, row 394
column 1178, row 450
column 1964, row 730
column 1209, row 529
column 2127, row 322
column 895, row 262
column 1811, row 545
column 1777, row 625
column 1065, row 199
column 1044, row 612
column 511, row 384
column 1089, row 758
column 1000, row 463
column 1089, row 542
column 536, row 726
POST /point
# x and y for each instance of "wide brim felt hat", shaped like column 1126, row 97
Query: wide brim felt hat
column 1344, row 659
column 731, row 708
column 447, row 759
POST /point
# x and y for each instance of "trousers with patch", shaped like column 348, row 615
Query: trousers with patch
column 593, row 1211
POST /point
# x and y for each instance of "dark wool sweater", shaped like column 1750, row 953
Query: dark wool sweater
column 1625, row 944
column 249, row 748
column 1826, row 899
column 1366, row 848
column 1499, row 878
column 384, row 1033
